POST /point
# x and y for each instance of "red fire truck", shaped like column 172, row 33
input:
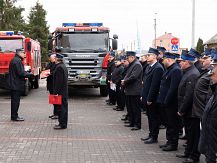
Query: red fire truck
column 9, row 42
column 85, row 47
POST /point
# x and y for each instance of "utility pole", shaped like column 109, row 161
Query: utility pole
column 193, row 24
column 155, row 30
column 138, row 39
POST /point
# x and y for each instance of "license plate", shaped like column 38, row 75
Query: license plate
column 103, row 81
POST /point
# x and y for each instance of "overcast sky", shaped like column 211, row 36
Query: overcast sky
column 122, row 17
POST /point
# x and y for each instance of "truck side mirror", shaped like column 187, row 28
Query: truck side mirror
column 115, row 36
column 29, row 46
column 50, row 44
column 114, row 44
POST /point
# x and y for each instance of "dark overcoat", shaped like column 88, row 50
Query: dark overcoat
column 51, row 66
column 17, row 74
column 208, row 138
column 60, row 80
column 186, row 90
column 117, row 74
column 151, row 82
column 169, row 85
column 110, row 69
column 133, row 78
column 201, row 94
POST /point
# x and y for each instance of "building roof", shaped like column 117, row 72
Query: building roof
column 213, row 40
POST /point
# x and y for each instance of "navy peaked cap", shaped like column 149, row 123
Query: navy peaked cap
column 20, row 50
column 58, row 55
column 112, row 53
column 160, row 48
column 130, row 53
column 195, row 53
column 153, row 51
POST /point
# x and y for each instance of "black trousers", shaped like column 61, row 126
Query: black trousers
column 55, row 110
column 63, row 113
column 120, row 97
column 163, row 119
column 153, row 120
column 133, row 109
column 193, row 136
column 15, row 103
column 172, row 124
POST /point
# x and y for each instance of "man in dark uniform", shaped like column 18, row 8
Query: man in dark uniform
column 60, row 87
column 110, row 69
column 151, row 85
column 116, row 80
column 208, row 138
column 125, row 64
column 17, row 77
column 185, row 94
column 133, row 85
column 199, row 61
column 199, row 101
column 51, row 66
column 160, row 56
column 167, row 99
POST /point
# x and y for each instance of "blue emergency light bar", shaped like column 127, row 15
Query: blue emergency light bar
column 81, row 24
column 8, row 33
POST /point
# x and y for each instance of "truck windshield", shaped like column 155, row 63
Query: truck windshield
column 84, row 41
column 10, row 45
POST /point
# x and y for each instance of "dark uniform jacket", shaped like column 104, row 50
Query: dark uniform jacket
column 117, row 74
column 199, row 66
column 144, row 66
column 51, row 66
column 186, row 90
column 17, row 74
column 208, row 138
column 169, row 85
column 151, row 82
column 133, row 78
column 110, row 69
column 60, row 80
column 201, row 92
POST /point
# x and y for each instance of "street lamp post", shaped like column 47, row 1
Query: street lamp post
column 193, row 24
column 155, row 30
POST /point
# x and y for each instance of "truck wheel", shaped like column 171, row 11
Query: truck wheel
column 26, row 89
column 36, row 82
column 103, row 91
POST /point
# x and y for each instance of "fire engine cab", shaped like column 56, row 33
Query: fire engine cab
column 85, row 47
column 9, row 42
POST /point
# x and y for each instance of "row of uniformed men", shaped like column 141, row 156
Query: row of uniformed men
column 177, row 86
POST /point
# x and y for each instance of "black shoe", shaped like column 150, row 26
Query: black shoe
column 144, row 139
column 130, row 125
column 54, row 117
column 120, row 109
column 110, row 104
column 162, row 127
column 189, row 160
column 184, row 145
column 58, row 127
column 151, row 141
column 135, row 128
column 51, row 116
column 107, row 100
column 17, row 119
column 183, row 137
column 126, row 121
column 170, row 148
column 182, row 156
column 163, row 145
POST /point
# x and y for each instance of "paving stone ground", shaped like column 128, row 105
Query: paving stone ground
column 95, row 133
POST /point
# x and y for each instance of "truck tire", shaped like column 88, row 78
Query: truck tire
column 36, row 82
column 103, row 91
column 26, row 89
